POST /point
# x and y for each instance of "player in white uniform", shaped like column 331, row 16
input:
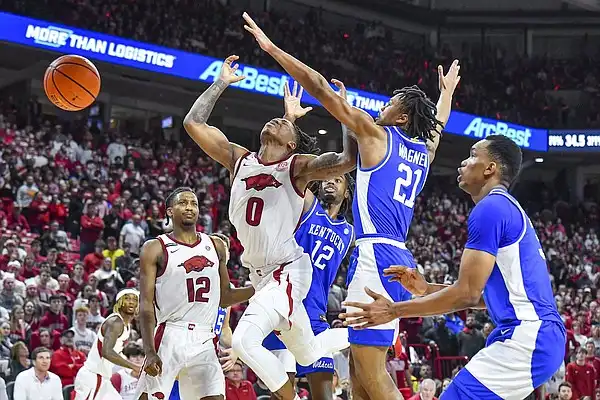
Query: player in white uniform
column 93, row 379
column 183, row 281
column 267, row 194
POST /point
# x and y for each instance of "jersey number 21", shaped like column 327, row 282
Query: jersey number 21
column 407, row 183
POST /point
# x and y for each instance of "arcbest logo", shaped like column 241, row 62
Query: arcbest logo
column 273, row 84
column 481, row 129
column 56, row 37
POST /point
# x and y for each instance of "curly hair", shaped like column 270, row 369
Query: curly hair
column 421, row 113
column 305, row 144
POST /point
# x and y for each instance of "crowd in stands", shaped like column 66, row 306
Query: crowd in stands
column 74, row 214
column 76, row 204
column 363, row 55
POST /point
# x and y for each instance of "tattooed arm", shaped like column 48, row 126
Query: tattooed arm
column 328, row 165
column 210, row 139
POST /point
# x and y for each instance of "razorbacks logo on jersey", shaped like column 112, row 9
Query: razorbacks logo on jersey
column 197, row 264
column 282, row 166
column 261, row 181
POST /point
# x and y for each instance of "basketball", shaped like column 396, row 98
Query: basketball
column 72, row 83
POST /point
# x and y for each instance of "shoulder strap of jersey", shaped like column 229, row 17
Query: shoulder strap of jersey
column 505, row 194
column 310, row 211
column 238, row 163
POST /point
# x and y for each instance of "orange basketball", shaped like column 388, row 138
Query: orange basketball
column 72, row 82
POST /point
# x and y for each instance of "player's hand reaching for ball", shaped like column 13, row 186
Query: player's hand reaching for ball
column 291, row 102
column 376, row 313
column 153, row 364
column 410, row 278
column 227, row 358
column 263, row 41
column 448, row 82
column 228, row 71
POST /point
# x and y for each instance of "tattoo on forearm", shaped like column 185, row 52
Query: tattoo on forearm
column 204, row 105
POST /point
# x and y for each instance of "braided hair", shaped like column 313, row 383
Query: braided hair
column 305, row 144
column 421, row 113
column 346, row 206
column 173, row 195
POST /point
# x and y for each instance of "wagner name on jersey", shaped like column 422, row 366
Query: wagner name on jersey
column 188, row 288
column 265, row 207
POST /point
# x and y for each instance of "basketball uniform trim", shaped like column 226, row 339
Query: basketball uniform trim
column 268, row 163
column 158, row 335
column 191, row 246
column 293, row 178
column 238, row 164
column 162, row 268
column 98, row 384
column 288, row 289
column 309, row 213
column 384, row 160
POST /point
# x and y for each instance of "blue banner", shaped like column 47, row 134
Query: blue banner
column 574, row 140
column 111, row 49
column 470, row 125
column 115, row 50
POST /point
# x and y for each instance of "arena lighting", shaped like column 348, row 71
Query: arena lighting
column 539, row 160
column 322, row 131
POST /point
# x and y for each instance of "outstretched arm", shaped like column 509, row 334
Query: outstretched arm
column 331, row 164
column 447, row 84
column 355, row 119
column 210, row 139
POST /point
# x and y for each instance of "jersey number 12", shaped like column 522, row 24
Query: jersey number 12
column 196, row 292
column 407, row 182
column 325, row 255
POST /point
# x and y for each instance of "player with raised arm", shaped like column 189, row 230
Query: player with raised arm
column 93, row 379
column 267, row 197
column 326, row 236
column 502, row 259
column 395, row 152
column 183, row 281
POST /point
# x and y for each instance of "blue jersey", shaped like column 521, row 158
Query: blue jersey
column 518, row 288
column 221, row 314
column 385, row 194
column 327, row 242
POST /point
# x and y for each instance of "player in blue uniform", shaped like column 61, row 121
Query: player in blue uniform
column 223, row 336
column 395, row 153
column 325, row 234
column 503, row 259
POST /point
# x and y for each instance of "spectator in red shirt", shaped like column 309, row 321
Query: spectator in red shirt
column 91, row 228
column 591, row 358
column 78, row 279
column 93, row 260
column 35, row 251
column 426, row 391
column 236, row 388
column 29, row 269
column 581, row 376
column 66, row 361
column 17, row 219
column 63, row 289
column 54, row 319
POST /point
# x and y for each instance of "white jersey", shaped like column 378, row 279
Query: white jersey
column 265, row 207
column 95, row 362
column 128, row 384
column 188, row 289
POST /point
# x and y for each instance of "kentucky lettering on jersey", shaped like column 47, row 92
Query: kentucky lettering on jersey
column 385, row 194
column 327, row 242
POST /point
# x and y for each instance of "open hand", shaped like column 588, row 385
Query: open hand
column 227, row 359
column 291, row 102
column 449, row 81
column 228, row 71
column 378, row 312
column 410, row 278
column 263, row 41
